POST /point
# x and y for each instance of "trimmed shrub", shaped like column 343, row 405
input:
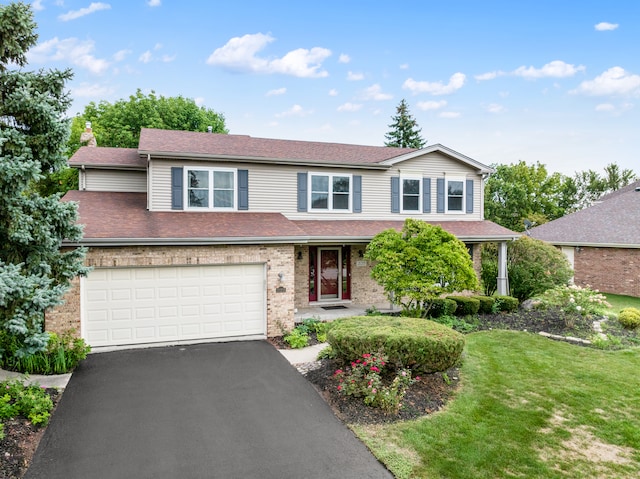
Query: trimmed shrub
column 415, row 343
column 629, row 318
column 505, row 304
column 486, row 304
column 441, row 307
column 467, row 305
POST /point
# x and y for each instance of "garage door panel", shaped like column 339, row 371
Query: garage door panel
column 142, row 305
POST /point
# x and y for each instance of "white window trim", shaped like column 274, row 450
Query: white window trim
column 330, row 208
column 446, row 195
column 419, row 210
column 210, row 170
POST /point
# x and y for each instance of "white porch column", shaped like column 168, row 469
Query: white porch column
column 503, row 281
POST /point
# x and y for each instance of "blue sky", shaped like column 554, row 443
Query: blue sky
column 501, row 81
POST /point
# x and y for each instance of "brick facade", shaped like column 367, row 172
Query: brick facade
column 611, row 270
column 277, row 258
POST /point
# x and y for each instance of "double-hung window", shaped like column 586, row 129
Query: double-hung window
column 211, row 188
column 411, row 194
column 330, row 192
column 455, row 196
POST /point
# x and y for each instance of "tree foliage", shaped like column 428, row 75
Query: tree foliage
column 533, row 267
column 34, row 272
column 118, row 124
column 419, row 263
column 404, row 132
column 584, row 188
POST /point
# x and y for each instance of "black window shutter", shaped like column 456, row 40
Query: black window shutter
column 440, row 194
column 357, row 194
column 176, row 188
column 426, row 195
column 302, row 192
column 395, row 194
column 243, row 189
column 469, row 196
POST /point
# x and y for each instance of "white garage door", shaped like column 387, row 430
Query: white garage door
column 123, row 306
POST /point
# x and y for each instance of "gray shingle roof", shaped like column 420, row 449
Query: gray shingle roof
column 615, row 221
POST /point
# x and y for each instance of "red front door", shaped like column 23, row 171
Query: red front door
column 329, row 273
column 330, row 266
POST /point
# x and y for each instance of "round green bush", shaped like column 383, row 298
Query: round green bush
column 506, row 304
column 629, row 318
column 486, row 304
column 415, row 343
column 466, row 305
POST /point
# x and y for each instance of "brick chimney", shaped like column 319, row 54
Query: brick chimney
column 87, row 136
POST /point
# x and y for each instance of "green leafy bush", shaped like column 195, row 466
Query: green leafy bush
column 363, row 379
column 505, row 304
column 574, row 300
column 297, row 338
column 414, row 343
column 533, row 267
column 466, row 305
column 30, row 401
column 629, row 318
column 486, row 304
column 62, row 354
column 464, row 325
column 438, row 307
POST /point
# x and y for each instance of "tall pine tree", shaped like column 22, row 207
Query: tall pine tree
column 404, row 132
column 34, row 271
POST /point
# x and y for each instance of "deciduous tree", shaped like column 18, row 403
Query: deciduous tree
column 34, row 272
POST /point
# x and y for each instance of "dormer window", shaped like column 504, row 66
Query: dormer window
column 211, row 188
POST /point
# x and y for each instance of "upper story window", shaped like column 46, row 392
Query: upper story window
column 211, row 188
column 455, row 196
column 411, row 194
column 330, row 192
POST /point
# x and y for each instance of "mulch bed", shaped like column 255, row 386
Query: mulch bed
column 20, row 443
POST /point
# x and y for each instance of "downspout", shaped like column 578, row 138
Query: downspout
column 148, row 182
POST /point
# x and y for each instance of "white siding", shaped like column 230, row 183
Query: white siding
column 115, row 180
column 274, row 188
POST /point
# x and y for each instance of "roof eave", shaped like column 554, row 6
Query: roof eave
column 482, row 169
column 592, row 244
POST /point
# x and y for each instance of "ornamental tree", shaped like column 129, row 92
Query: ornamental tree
column 404, row 132
column 34, row 272
column 419, row 263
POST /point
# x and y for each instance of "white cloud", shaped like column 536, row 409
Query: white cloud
column 614, row 81
column 70, row 50
column 555, row 69
column 374, row 92
column 37, row 5
column 605, row 26
column 94, row 7
column 154, row 3
column 121, row 55
column 168, row 58
column 488, row 75
column 350, row 107
column 91, row 90
column 436, row 88
column 431, row 105
column 239, row 54
column 605, row 107
column 146, row 57
column 404, row 66
column 199, row 100
column 278, row 91
column 157, row 46
column 344, row 58
column 449, row 114
column 333, row 92
column 295, row 110
column 351, row 76
column 495, row 108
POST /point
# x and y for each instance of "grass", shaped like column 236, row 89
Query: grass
column 619, row 302
column 527, row 407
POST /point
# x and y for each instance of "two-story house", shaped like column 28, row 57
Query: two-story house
column 201, row 236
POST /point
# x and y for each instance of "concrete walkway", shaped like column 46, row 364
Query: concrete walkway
column 217, row 410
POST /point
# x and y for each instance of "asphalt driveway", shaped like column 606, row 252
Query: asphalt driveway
column 219, row 410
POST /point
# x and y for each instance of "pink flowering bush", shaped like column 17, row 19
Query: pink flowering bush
column 363, row 379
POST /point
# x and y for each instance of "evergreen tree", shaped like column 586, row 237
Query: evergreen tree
column 34, row 272
column 404, row 132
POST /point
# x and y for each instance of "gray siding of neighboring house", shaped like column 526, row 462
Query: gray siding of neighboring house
column 274, row 188
column 113, row 180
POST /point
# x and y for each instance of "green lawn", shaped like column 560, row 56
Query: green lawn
column 528, row 407
column 619, row 302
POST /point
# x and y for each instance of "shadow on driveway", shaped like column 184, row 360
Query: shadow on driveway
column 217, row 410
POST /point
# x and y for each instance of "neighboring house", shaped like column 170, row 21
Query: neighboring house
column 197, row 236
column 602, row 242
